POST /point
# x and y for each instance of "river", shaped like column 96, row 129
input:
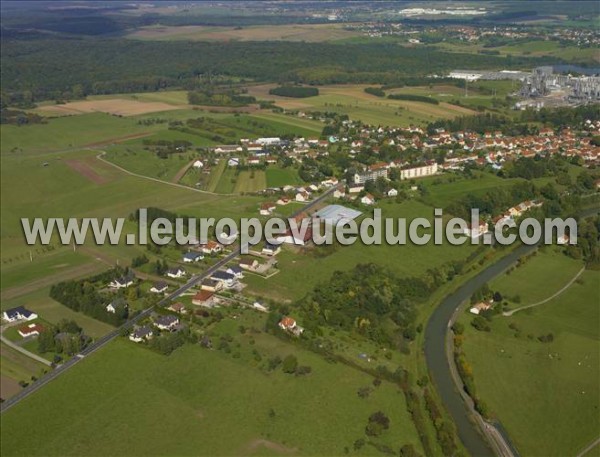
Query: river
column 435, row 350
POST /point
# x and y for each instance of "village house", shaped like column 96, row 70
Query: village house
column 392, row 193
column 198, row 164
column 191, row 257
column 302, row 196
column 271, row 249
column 159, row 287
column 141, row 334
column 178, row 308
column 227, row 279
column 248, row 263
column 339, row 193
column 204, row 298
column 283, row 201
column 211, row 285
column 479, row 307
column 122, row 282
column 266, row 209
column 166, row 322
column 30, row 330
column 236, row 271
column 368, row 199
column 211, row 248
column 176, row 272
column 18, row 314
column 299, row 239
column 289, row 325
column 116, row 304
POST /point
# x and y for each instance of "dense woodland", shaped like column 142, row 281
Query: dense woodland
column 42, row 69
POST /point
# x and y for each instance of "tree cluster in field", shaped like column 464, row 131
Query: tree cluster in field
column 414, row 98
column 17, row 117
column 377, row 91
column 294, row 91
column 83, row 296
column 165, row 148
column 445, row 432
column 364, row 299
column 165, row 342
column 219, row 98
column 588, row 244
column 64, row 338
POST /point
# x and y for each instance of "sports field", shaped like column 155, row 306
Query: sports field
column 544, row 394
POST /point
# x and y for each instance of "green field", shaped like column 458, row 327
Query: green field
column 250, row 181
column 539, row 278
column 544, row 394
column 200, row 407
column 279, row 177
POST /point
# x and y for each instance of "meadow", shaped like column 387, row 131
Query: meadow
column 199, row 407
column 544, row 394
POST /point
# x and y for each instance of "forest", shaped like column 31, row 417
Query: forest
column 42, row 69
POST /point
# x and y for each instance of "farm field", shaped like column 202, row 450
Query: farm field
column 516, row 375
column 200, row 407
column 291, row 32
column 15, row 367
column 358, row 105
column 115, row 106
column 300, row 272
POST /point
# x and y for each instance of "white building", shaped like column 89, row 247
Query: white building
column 419, row 172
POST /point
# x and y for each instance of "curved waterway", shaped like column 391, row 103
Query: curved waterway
column 437, row 360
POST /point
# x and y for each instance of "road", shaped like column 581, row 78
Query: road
column 103, row 341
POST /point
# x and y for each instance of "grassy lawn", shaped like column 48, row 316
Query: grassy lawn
column 199, row 407
column 227, row 181
column 250, row 181
column 279, row 177
column 545, row 394
column 540, row 277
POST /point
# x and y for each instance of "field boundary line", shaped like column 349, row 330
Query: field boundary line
column 546, row 300
column 182, row 172
column 150, row 178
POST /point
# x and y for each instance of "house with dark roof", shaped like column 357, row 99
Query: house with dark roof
column 212, row 285
column 227, row 279
column 18, row 314
column 176, row 272
column 141, row 334
column 191, row 257
column 159, row 287
column 122, row 282
column 113, row 306
column 168, row 322
column 235, row 271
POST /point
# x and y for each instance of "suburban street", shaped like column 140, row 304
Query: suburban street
column 104, row 340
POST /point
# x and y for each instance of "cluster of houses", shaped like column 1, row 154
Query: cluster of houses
column 165, row 323
column 19, row 314
column 481, row 227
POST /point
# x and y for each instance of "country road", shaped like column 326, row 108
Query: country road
column 103, row 341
